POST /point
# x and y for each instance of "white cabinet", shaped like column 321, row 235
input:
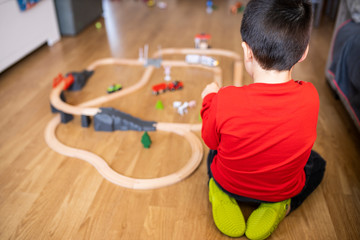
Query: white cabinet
column 21, row 32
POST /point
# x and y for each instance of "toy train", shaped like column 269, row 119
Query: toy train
column 163, row 87
column 114, row 88
column 203, row 60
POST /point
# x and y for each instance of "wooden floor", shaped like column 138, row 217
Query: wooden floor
column 44, row 195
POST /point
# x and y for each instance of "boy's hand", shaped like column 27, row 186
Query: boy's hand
column 210, row 88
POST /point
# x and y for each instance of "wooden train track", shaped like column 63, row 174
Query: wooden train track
column 185, row 130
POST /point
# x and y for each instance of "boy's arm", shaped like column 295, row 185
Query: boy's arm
column 210, row 88
column 208, row 115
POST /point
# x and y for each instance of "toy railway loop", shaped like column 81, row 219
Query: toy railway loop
column 134, row 183
column 181, row 129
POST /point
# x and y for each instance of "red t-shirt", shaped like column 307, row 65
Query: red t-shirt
column 263, row 134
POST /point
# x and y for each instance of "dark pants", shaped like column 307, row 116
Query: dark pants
column 314, row 171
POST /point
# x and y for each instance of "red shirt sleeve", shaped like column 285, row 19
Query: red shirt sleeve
column 208, row 115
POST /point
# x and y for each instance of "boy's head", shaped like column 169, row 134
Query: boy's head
column 277, row 31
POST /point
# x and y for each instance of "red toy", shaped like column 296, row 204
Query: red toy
column 203, row 36
column 236, row 8
column 69, row 79
column 163, row 87
column 202, row 40
column 159, row 88
column 177, row 85
column 57, row 80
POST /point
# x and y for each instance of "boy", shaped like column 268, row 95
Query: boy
column 261, row 135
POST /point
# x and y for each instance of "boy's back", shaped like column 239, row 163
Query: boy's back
column 267, row 132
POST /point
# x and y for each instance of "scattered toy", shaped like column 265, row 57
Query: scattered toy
column 145, row 140
column 182, row 108
column 162, row 5
column 202, row 40
column 57, row 80
column 192, row 103
column 237, row 8
column 98, row 25
column 114, row 88
column 203, row 60
column 159, row 105
column 176, row 104
column 209, row 6
column 69, row 80
column 167, row 73
column 150, row 3
column 176, row 85
column 163, row 87
column 159, row 88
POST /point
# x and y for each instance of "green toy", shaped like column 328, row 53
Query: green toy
column 159, row 105
column 145, row 140
column 98, row 25
column 114, row 88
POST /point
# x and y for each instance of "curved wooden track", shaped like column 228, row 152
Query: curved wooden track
column 134, row 183
column 85, row 109
column 181, row 129
column 238, row 64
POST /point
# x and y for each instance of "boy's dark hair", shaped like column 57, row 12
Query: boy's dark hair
column 277, row 31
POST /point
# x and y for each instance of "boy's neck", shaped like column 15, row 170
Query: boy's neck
column 271, row 76
column 261, row 75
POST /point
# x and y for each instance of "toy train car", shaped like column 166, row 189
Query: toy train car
column 114, row 88
column 68, row 80
column 163, row 87
column 203, row 60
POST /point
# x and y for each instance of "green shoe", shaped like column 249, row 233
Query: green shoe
column 264, row 220
column 226, row 212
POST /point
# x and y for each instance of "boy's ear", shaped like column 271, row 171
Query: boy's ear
column 248, row 54
column 305, row 54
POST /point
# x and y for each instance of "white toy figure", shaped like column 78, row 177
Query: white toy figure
column 167, row 73
column 204, row 60
column 183, row 108
column 162, row 5
column 209, row 6
column 176, row 104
